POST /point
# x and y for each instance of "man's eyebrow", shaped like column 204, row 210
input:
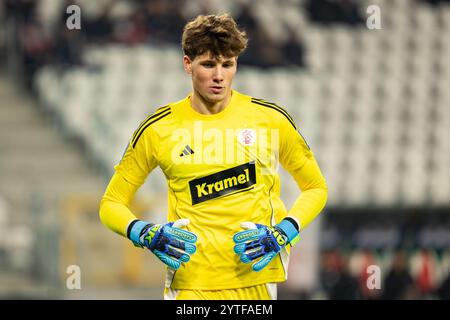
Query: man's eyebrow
column 231, row 60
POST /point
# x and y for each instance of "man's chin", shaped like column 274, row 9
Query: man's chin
column 215, row 98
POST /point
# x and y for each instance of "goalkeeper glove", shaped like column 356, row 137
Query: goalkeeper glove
column 265, row 242
column 168, row 242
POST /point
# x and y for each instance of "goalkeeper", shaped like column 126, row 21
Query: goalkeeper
column 229, row 234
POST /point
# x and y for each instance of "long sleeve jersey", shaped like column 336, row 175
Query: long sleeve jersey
column 221, row 170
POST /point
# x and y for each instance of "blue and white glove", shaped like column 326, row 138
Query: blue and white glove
column 171, row 244
column 265, row 242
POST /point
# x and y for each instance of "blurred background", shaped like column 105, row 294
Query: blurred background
column 374, row 105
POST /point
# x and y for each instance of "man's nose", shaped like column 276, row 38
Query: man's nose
column 218, row 74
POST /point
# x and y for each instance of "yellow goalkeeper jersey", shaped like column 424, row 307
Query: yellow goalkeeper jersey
column 221, row 170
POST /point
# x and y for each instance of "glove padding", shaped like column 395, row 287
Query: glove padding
column 169, row 243
column 261, row 241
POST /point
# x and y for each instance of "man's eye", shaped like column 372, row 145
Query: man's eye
column 208, row 65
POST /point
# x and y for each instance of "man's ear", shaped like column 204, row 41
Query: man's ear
column 187, row 63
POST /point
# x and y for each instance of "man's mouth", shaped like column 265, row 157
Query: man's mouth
column 216, row 89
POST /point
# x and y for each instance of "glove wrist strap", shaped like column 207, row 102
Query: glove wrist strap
column 134, row 230
column 289, row 229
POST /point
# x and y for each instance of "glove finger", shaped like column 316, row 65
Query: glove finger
column 239, row 248
column 180, row 234
column 248, row 225
column 185, row 246
column 261, row 264
column 190, row 248
column 248, row 235
column 242, row 247
column 177, row 254
column 252, row 255
column 170, row 262
column 180, row 223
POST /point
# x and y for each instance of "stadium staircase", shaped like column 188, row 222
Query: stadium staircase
column 40, row 171
column 50, row 191
column 36, row 160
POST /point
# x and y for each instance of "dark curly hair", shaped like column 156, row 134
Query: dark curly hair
column 218, row 34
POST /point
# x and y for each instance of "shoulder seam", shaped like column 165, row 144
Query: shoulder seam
column 158, row 115
column 147, row 119
column 264, row 103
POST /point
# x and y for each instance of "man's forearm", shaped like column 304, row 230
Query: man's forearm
column 116, row 216
column 114, row 208
column 308, row 205
column 314, row 194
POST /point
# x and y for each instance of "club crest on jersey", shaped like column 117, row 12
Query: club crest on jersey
column 223, row 183
column 247, row 137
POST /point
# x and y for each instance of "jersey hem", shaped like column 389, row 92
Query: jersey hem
column 226, row 286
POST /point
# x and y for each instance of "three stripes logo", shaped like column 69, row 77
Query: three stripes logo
column 186, row 151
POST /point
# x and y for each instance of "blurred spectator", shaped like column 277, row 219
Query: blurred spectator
column 99, row 28
column 267, row 54
column 443, row 292
column 321, row 10
column 334, row 11
column 262, row 51
column 165, row 21
column 246, row 19
column 22, row 10
column 436, row 2
column 68, row 44
column 398, row 283
column 293, row 51
column 136, row 30
column 424, row 264
column 336, row 279
column 348, row 11
column 36, row 47
column 68, row 48
column 367, row 259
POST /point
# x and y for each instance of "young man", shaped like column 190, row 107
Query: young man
column 229, row 233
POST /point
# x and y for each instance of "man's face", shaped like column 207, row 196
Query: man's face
column 211, row 76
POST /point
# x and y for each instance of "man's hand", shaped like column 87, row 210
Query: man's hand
column 265, row 242
column 171, row 244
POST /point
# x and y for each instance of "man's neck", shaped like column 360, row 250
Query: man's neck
column 203, row 106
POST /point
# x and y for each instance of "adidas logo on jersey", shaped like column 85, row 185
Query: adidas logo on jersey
column 186, row 151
